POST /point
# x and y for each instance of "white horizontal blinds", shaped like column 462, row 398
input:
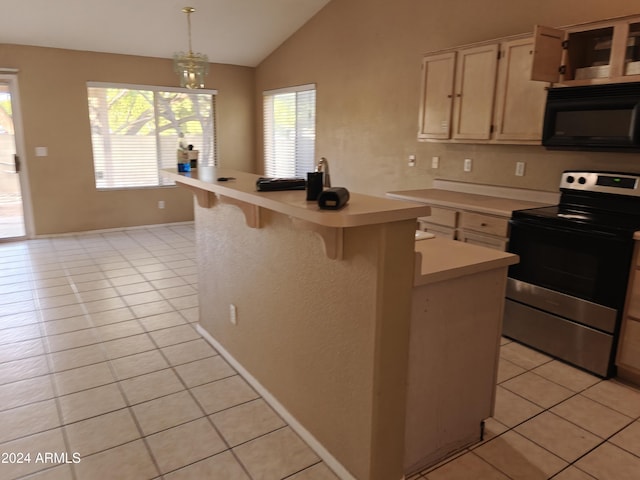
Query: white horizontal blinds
column 289, row 131
column 134, row 132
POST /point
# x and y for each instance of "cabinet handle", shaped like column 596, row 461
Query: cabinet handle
column 449, row 96
column 483, row 224
column 458, row 94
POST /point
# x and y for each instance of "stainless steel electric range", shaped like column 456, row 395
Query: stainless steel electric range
column 566, row 295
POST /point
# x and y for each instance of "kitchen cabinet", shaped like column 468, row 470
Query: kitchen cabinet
column 442, row 222
column 437, row 96
column 599, row 52
column 476, row 70
column 520, row 102
column 482, row 94
column 467, row 226
column 475, row 214
column 628, row 357
column 484, row 230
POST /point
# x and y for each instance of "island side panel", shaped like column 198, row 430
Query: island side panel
column 456, row 328
column 310, row 329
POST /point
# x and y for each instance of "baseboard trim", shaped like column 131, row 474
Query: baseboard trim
column 110, row 230
column 315, row 445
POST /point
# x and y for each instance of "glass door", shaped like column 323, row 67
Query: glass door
column 12, row 217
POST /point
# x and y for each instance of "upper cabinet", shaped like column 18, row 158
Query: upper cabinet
column 474, row 92
column 436, row 107
column 482, row 94
column 602, row 52
column 520, row 102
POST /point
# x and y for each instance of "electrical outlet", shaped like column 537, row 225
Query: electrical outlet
column 467, row 164
column 233, row 314
column 520, row 169
column 161, row 204
column 412, row 160
column 435, row 162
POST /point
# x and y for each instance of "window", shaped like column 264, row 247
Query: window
column 135, row 131
column 289, row 131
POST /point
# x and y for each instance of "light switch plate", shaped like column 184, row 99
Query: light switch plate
column 467, row 164
column 42, row 152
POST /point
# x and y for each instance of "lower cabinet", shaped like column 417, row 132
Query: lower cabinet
column 628, row 357
column 471, row 227
column 442, row 222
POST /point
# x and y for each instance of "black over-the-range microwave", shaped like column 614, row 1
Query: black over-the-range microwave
column 593, row 117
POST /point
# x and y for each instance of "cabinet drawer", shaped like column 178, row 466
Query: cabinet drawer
column 630, row 345
column 485, row 223
column 438, row 230
column 441, row 216
column 473, row 238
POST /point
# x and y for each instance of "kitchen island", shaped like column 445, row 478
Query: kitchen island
column 316, row 310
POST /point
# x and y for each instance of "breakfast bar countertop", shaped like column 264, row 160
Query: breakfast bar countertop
column 361, row 209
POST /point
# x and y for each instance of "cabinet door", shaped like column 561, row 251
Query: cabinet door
column 520, row 101
column 476, row 71
column 437, row 96
column 630, row 35
column 547, row 53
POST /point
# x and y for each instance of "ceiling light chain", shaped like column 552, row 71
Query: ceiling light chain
column 191, row 67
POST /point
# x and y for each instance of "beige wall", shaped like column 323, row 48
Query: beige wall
column 364, row 56
column 53, row 96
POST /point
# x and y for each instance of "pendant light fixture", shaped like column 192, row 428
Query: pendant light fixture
column 191, row 67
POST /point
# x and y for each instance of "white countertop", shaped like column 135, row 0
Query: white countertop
column 439, row 259
column 361, row 209
column 466, row 201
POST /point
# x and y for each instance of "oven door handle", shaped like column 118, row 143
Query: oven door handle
column 535, row 225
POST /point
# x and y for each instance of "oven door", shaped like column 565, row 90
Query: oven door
column 585, row 263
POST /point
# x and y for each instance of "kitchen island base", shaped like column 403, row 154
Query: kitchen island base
column 322, row 317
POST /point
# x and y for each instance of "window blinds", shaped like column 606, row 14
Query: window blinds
column 289, row 131
column 134, row 132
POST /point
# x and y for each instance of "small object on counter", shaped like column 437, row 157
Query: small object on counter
column 314, row 185
column 333, row 198
column 225, row 179
column 192, row 155
column 421, row 235
column 264, row 184
column 184, row 167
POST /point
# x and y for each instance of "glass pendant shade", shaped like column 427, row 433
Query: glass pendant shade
column 190, row 67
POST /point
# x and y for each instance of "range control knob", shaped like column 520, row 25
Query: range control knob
column 570, row 179
column 582, row 180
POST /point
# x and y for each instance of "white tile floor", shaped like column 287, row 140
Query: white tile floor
column 99, row 355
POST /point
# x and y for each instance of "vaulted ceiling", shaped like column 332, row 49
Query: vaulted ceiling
column 239, row 32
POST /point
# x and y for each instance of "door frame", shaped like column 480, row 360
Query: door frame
column 10, row 76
